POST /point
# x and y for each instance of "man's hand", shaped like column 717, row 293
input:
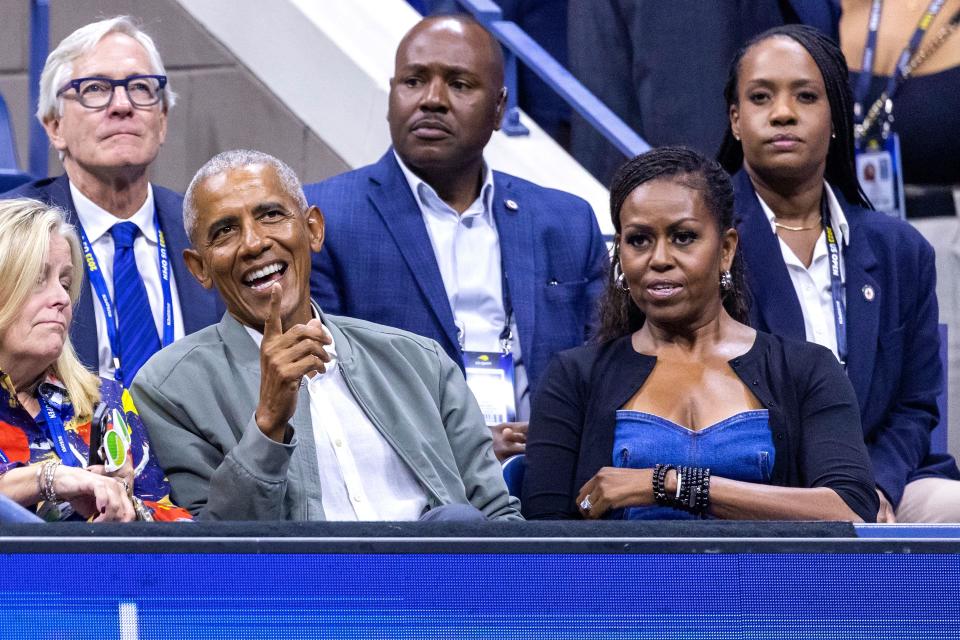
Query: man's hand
column 509, row 439
column 285, row 357
column 886, row 514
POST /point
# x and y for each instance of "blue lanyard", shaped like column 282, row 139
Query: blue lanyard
column 836, row 282
column 57, row 432
column 870, row 48
column 106, row 303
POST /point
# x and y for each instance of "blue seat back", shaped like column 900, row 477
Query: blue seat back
column 8, row 148
column 514, row 469
column 938, row 438
column 10, row 174
column 10, row 511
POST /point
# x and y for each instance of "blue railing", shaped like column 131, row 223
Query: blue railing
column 518, row 44
column 39, row 47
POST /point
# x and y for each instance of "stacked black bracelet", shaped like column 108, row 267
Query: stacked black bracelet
column 693, row 488
column 659, row 484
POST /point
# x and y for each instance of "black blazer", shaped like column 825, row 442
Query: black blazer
column 198, row 306
column 813, row 418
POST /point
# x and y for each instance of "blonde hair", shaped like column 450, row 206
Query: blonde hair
column 59, row 63
column 25, row 228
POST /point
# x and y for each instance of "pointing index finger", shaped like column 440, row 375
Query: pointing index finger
column 273, row 326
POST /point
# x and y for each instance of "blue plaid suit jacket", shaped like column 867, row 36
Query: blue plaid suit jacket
column 377, row 262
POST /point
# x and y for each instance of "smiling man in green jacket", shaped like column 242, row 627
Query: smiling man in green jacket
column 280, row 412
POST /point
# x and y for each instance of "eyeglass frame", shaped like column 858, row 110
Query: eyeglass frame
column 123, row 82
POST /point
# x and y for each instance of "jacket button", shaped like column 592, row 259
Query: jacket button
column 779, row 436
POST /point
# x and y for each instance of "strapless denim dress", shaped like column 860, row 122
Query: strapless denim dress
column 737, row 448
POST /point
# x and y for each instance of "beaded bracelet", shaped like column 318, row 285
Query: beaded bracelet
column 659, row 484
column 704, row 501
column 693, row 488
column 694, row 496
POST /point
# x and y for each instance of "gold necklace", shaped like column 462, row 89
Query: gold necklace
column 787, row 227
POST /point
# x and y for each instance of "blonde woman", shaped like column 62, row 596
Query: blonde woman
column 47, row 398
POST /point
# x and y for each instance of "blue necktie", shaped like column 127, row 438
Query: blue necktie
column 137, row 331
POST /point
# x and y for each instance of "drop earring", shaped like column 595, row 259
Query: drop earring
column 726, row 281
column 619, row 278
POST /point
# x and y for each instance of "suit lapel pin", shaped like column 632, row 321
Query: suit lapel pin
column 511, row 204
column 868, row 293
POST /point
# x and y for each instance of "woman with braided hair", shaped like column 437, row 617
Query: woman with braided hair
column 680, row 409
column 822, row 267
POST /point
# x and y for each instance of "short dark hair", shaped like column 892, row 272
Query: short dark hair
column 619, row 315
column 466, row 20
column 841, row 171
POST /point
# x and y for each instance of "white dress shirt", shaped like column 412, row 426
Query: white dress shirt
column 812, row 283
column 467, row 248
column 361, row 476
column 96, row 224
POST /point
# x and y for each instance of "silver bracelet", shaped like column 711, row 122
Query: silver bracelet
column 143, row 514
column 47, row 492
column 40, row 469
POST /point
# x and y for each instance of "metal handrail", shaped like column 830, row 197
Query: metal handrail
column 518, row 44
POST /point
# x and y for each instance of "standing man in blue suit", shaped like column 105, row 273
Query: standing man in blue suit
column 104, row 101
column 431, row 240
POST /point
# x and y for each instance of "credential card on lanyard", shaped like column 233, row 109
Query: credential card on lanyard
column 490, row 378
column 880, row 174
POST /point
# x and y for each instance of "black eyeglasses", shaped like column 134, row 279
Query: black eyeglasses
column 97, row 92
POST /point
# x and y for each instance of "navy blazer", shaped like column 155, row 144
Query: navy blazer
column 198, row 306
column 893, row 343
column 378, row 264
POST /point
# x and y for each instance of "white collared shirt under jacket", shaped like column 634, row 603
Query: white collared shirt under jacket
column 467, row 248
column 96, row 223
column 361, row 476
column 812, row 283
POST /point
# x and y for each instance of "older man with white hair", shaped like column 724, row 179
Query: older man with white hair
column 282, row 412
column 104, row 99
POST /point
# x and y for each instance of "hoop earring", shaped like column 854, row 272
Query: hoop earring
column 726, row 281
column 619, row 278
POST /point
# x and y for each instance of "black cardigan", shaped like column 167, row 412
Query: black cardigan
column 813, row 411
